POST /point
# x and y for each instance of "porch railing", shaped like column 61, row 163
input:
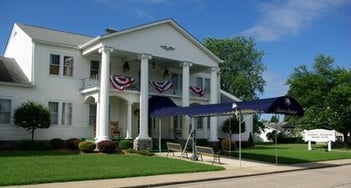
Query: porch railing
column 88, row 83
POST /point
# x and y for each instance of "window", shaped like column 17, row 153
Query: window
column 5, row 110
column 53, row 108
column 204, row 83
column 92, row 114
column 54, row 64
column 177, row 84
column 68, row 66
column 94, row 69
column 199, row 123
column 66, row 114
column 61, row 66
column 207, row 86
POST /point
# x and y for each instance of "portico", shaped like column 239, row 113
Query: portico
column 182, row 63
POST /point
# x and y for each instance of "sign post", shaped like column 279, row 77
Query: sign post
column 319, row 135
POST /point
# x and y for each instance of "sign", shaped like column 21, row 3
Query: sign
column 319, row 135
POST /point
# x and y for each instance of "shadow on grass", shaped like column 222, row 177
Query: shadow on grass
column 269, row 158
column 24, row 153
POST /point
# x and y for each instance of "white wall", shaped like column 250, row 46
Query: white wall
column 20, row 47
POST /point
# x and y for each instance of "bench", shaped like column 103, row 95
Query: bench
column 202, row 150
column 176, row 147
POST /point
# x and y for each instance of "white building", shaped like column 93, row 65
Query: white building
column 71, row 74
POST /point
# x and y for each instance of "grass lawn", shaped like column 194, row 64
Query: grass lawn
column 292, row 153
column 43, row 167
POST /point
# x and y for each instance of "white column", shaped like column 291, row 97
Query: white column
column 97, row 132
column 129, row 120
column 213, row 100
column 144, row 96
column 104, row 94
column 186, row 96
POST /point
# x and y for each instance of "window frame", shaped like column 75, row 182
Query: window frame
column 54, row 114
column 54, row 67
column 7, row 113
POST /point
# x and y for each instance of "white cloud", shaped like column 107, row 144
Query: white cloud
column 280, row 18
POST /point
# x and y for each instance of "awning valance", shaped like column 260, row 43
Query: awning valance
column 278, row 105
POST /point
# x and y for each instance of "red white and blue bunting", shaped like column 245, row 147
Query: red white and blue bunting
column 197, row 90
column 162, row 86
column 121, row 82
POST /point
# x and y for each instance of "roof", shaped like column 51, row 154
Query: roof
column 144, row 26
column 11, row 72
column 54, row 36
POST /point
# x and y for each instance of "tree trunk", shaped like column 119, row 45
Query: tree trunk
column 346, row 138
column 33, row 134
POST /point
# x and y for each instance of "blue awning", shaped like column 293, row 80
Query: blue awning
column 278, row 105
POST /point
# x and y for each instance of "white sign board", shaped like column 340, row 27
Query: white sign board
column 319, row 135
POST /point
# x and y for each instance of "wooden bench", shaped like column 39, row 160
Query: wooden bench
column 202, row 150
column 176, row 147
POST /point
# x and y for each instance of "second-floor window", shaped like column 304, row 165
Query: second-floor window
column 61, row 65
column 177, row 83
column 94, row 69
column 5, row 110
column 54, row 64
column 68, row 66
column 204, row 83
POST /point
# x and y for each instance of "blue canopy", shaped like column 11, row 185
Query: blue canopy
column 278, row 105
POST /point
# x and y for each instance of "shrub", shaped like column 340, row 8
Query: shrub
column 251, row 141
column 107, row 146
column 141, row 152
column 86, row 147
column 125, row 144
column 57, row 143
column 225, row 144
column 72, row 143
column 33, row 145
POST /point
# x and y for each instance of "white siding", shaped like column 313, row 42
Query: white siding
column 20, row 47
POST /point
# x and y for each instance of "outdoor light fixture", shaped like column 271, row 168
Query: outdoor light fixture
column 165, row 47
column 166, row 73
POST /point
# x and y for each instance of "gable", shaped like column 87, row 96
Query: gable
column 151, row 39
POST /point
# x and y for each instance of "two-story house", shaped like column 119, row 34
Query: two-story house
column 102, row 87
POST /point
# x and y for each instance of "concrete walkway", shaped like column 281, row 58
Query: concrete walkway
column 233, row 168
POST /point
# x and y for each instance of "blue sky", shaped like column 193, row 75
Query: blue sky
column 291, row 32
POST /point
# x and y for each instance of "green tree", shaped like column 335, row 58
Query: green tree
column 258, row 125
column 241, row 71
column 32, row 116
column 274, row 119
column 325, row 93
column 231, row 125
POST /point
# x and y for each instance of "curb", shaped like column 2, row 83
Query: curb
column 237, row 176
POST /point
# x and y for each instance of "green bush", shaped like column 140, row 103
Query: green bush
column 86, row 147
column 56, row 143
column 125, row 144
column 33, row 145
column 251, row 142
column 72, row 143
column 107, row 146
column 141, row 152
column 225, row 144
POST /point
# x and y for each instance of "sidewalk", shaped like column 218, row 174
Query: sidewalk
column 233, row 168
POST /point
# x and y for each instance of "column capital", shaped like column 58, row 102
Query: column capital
column 145, row 56
column 186, row 64
column 214, row 69
column 106, row 49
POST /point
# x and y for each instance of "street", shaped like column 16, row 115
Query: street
column 337, row 177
